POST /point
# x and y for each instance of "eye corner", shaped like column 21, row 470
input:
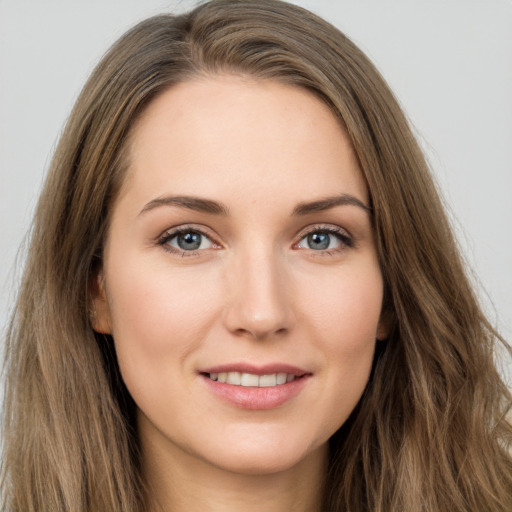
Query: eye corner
column 187, row 240
column 329, row 239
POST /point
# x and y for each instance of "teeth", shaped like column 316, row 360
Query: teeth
column 266, row 381
column 281, row 378
column 251, row 380
column 233, row 378
column 248, row 379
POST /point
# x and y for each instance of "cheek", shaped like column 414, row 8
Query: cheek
column 345, row 306
column 343, row 317
column 158, row 315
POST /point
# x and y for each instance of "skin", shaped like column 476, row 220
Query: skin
column 256, row 291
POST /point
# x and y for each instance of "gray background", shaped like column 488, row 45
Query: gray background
column 449, row 62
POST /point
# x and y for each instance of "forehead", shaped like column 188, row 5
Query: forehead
column 228, row 137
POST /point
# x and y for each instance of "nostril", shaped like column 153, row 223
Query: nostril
column 259, row 309
column 260, row 334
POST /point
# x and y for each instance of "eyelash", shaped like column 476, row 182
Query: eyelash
column 346, row 241
column 164, row 240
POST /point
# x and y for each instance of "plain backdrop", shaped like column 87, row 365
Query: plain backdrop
column 449, row 63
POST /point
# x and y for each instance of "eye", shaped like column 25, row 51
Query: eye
column 325, row 240
column 187, row 240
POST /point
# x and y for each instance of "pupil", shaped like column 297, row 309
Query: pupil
column 318, row 241
column 189, row 241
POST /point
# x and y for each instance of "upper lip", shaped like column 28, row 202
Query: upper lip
column 266, row 369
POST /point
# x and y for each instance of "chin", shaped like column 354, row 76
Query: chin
column 265, row 456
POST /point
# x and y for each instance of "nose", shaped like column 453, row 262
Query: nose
column 260, row 304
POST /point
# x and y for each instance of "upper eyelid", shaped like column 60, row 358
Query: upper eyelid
column 208, row 232
column 183, row 228
column 165, row 237
column 332, row 228
column 346, row 238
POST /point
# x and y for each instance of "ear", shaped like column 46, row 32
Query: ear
column 384, row 326
column 100, row 314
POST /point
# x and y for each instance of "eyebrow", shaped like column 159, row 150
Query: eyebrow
column 216, row 208
column 329, row 202
column 191, row 203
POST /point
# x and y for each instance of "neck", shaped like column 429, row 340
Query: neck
column 181, row 483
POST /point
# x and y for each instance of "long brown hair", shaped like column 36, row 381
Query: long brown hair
column 430, row 431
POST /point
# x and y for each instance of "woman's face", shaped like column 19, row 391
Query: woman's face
column 240, row 279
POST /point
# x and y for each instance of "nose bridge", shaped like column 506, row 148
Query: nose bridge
column 260, row 304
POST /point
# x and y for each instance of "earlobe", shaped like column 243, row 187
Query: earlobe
column 382, row 334
column 100, row 313
column 384, row 326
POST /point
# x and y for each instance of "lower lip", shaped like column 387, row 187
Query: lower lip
column 255, row 398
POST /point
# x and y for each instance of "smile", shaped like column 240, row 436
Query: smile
column 252, row 380
column 256, row 387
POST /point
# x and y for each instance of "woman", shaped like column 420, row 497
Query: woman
column 242, row 291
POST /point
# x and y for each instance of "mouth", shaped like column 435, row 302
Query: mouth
column 251, row 387
column 252, row 380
